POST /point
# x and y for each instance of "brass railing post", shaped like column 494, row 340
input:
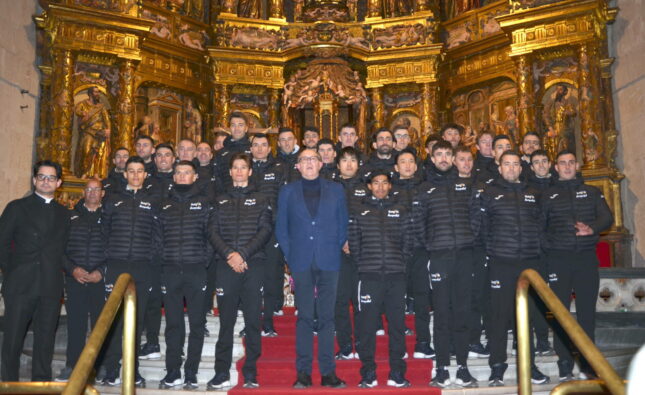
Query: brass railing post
column 523, row 337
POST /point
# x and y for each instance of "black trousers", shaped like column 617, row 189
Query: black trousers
column 422, row 295
column 451, row 274
column 43, row 313
column 152, row 318
column 575, row 271
column 273, row 289
column 480, row 300
column 231, row 289
column 346, row 294
column 140, row 271
column 177, row 284
column 307, row 283
column 540, row 324
column 503, row 283
column 211, row 276
column 374, row 292
column 83, row 301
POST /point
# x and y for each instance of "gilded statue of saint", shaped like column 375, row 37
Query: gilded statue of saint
column 559, row 114
column 249, row 8
column 92, row 154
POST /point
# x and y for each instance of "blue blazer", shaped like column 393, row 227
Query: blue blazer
column 304, row 239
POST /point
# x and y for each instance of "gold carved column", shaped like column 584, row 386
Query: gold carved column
column 62, row 108
column 377, row 103
column 222, row 104
column 607, row 99
column 421, row 5
column 275, row 9
column 525, row 97
column 373, row 8
column 274, row 96
column 429, row 109
column 125, row 106
column 588, row 97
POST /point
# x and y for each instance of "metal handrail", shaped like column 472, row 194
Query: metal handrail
column 581, row 387
column 124, row 290
column 531, row 278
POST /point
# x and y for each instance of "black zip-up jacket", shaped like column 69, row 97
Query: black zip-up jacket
column 85, row 246
column 127, row 224
column 114, row 182
column 241, row 223
column 375, row 163
column 446, row 213
column 510, row 220
column 268, row 176
column 541, row 184
column 481, row 166
column 380, row 236
column 355, row 191
column 567, row 202
column 406, row 190
column 160, row 184
column 328, row 171
column 223, row 157
column 181, row 228
column 151, row 168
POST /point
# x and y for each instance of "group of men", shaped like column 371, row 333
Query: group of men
column 374, row 235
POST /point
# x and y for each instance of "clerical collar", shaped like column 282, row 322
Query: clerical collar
column 47, row 200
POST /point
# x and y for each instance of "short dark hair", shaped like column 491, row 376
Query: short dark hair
column 539, row 152
column 483, row 133
column 509, row 152
column 144, row 137
column 462, row 148
column 324, row 141
column 238, row 114
column 240, row 156
column 347, row 151
column 186, row 139
column 406, row 150
column 432, row 137
column 451, row 125
column 90, row 89
column 379, row 172
column 165, row 145
column 120, row 149
column 219, row 133
column 382, row 130
column 259, row 136
column 400, row 127
column 532, row 134
column 348, row 125
column 565, row 151
column 135, row 159
column 48, row 163
column 501, row 137
column 311, row 129
column 285, row 130
column 442, row 144
column 185, row 163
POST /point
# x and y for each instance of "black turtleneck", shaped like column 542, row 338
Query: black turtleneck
column 311, row 193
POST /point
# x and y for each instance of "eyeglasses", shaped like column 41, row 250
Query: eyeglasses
column 94, row 189
column 43, row 177
column 309, row 159
column 402, row 136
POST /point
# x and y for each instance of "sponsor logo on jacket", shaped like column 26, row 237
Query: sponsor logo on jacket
column 359, row 192
column 529, row 198
column 581, row 194
column 269, row 177
column 495, row 284
column 195, row 206
column 393, row 213
column 366, row 299
column 249, row 202
column 145, row 205
column 460, row 187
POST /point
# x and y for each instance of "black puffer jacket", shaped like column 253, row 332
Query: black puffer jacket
column 375, row 163
column 355, row 191
column 406, row 190
column 568, row 202
column 85, row 245
column 160, row 184
column 446, row 213
column 241, row 223
column 541, row 184
column 181, row 228
column 268, row 176
column 128, row 222
column 481, row 166
column 329, row 171
column 510, row 220
column 380, row 236
column 223, row 158
column 114, row 182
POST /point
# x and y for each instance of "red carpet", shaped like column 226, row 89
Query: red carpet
column 277, row 372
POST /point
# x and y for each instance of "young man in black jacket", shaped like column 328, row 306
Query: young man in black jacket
column 511, row 226
column 238, row 141
column 128, row 221
column 240, row 228
column 383, row 157
column 380, row 242
column 181, row 238
column 444, row 213
column 116, row 177
column 84, row 265
column 574, row 213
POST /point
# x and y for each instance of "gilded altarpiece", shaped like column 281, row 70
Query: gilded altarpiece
column 175, row 69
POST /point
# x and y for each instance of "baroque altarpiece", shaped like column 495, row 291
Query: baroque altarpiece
column 114, row 69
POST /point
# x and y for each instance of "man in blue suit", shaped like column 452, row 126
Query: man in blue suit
column 312, row 228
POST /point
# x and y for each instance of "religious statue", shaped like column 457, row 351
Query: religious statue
column 352, row 7
column 92, row 156
column 193, row 123
column 249, row 8
column 144, row 126
column 559, row 114
column 512, row 124
column 298, row 6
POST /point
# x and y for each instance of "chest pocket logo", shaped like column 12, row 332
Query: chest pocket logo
column 460, row 187
column 145, row 205
column 249, row 202
column 74, row 217
column 393, row 213
column 269, row 177
column 359, row 192
column 223, row 201
column 167, row 206
column 117, row 204
column 196, row 206
column 581, row 194
column 529, row 198
column 555, row 195
column 499, row 197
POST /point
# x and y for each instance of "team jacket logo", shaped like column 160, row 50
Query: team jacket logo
column 149, row 185
column 581, row 194
column 366, row 299
column 223, row 201
column 529, row 198
column 204, row 287
column 495, row 284
column 145, row 205
column 163, row 289
column 219, row 291
column 108, row 288
column 393, row 213
column 117, row 204
column 498, row 197
column 269, row 176
column 359, row 192
column 74, row 217
column 435, row 277
column 365, row 212
column 195, row 206
column 430, row 190
column 553, row 277
column 107, row 185
column 555, row 195
column 166, row 207
column 249, row 202
column 460, row 187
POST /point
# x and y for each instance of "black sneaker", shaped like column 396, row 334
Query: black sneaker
column 496, row 378
column 332, row 381
column 441, row 377
column 464, row 378
column 150, row 351
column 368, row 380
column 478, row 351
column 409, row 332
column 409, row 306
column 250, row 381
column 190, row 380
column 112, row 378
column 207, row 333
column 345, row 353
column 221, row 380
column 303, row 380
column 100, row 375
column 565, row 370
column 396, row 379
column 172, row 379
column 242, row 332
column 63, row 377
column 538, row 377
column 423, row 351
column 268, row 331
column 139, row 381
